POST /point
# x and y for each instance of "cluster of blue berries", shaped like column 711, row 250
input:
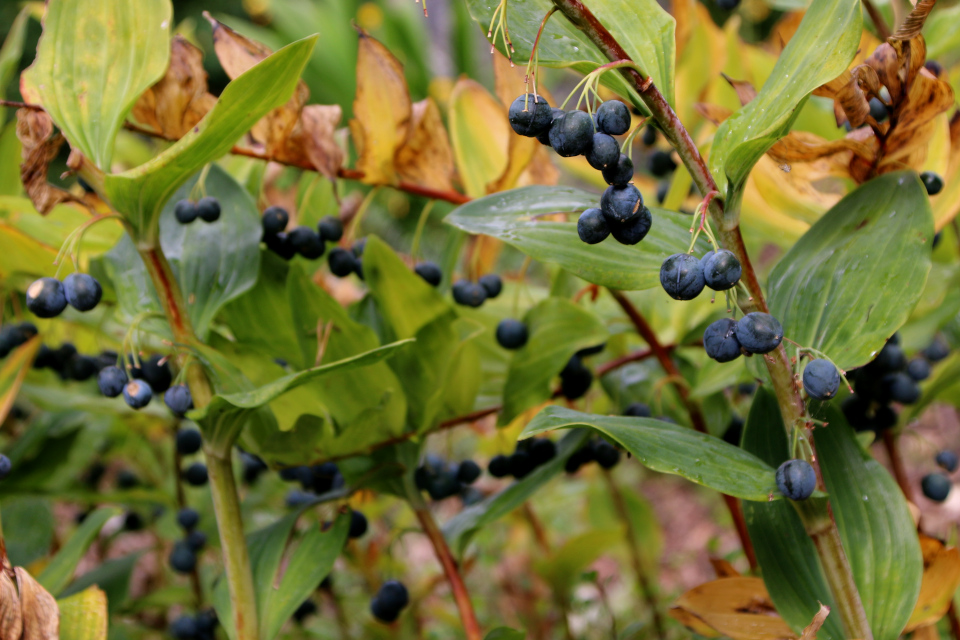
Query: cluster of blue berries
column 442, row 479
column 314, row 480
column 300, row 240
column 684, row 276
column 202, row 626
column 936, row 486
column 206, row 208
column 757, row 332
column 188, row 443
column 597, row 450
column 528, row 455
column 152, row 376
column 183, row 556
column 474, row 294
column 48, row 297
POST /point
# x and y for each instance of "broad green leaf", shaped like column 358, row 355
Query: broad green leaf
column 113, row 577
column 141, row 193
column 852, row 280
column 460, row 529
column 820, row 50
column 643, row 28
column 669, row 448
column 558, row 328
column 58, row 573
column 11, row 51
column 309, row 565
column 94, row 59
column 83, row 616
column 512, row 217
column 505, row 633
column 214, row 262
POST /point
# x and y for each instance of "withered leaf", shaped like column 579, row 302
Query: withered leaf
column 723, row 568
column 810, row 631
column 318, row 126
column 11, row 617
column 736, row 607
column 912, row 26
column 40, row 146
column 179, row 100
column 745, row 91
column 41, row 615
column 382, row 111
column 941, row 577
column 915, row 116
column 713, row 112
column 426, row 157
column 803, row 146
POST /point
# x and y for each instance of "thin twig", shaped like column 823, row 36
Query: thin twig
column 883, row 30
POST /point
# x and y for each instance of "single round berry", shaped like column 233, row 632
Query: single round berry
column 592, row 226
column 499, row 466
column 207, row 622
column 796, row 479
column 196, row 540
column 878, row 111
column 721, row 271
column 82, row 291
column 208, row 209
column 511, row 334
column 932, row 182
column 492, row 284
column 918, row 369
column 606, row 455
column 604, row 152
column 81, row 368
column 389, row 601
column 184, row 628
column 156, row 371
column 720, row 340
column 530, row 115
column 185, row 212
column 178, row 399
column 933, row 67
column 468, row 472
column 443, row 485
column 358, row 525
column 544, row 136
column 5, row 466
column 188, row 518
column 430, row 272
column 182, row 557
column 633, row 231
column 821, row 380
column 132, row 521
column 899, row 387
column 681, row 276
column 541, row 450
column 661, row 163
column 621, row 204
column 196, row 474
column 759, row 332
column 111, row 381
column 947, row 460
column 613, row 118
column 189, row 441
column 280, row 244
column 468, row 293
column 637, row 410
column 341, row 262
column 521, row 465
column 137, row 393
column 330, row 229
column 306, row 609
column 620, row 172
column 572, row 133
column 937, row 350
column 306, row 242
column 275, row 220
column 46, row 298
column 936, row 486
column 127, row 479
column 575, row 379
column 253, row 467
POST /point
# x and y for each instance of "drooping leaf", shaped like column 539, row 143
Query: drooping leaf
column 113, row 577
column 94, row 59
column 669, row 448
column 558, row 328
column 141, row 193
column 83, row 616
column 11, row 617
column 855, row 276
column 736, row 607
column 941, row 577
column 59, row 572
column 426, row 157
column 512, row 217
column 819, row 51
column 39, row 147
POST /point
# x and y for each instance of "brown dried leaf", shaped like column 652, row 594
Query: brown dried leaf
column 941, row 577
column 382, row 111
column 426, row 158
column 41, row 615
column 810, row 631
column 886, row 63
column 40, row 146
column 176, row 103
column 318, row 126
column 803, row 146
column 736, row 607
column 712, row 112
column 915, row 116
column 723, row 568
column 744, row 89
column 912, row 26
column 11, row 618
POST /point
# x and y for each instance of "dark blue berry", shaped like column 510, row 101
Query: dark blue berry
column 947, row 460
column 878, row 110
column 575, row 379
column 637, row 410
column 499, row 466
column 721, row 271
column 541, row 450
column 184, row 628
column 196, row 474
column 932, row 182
column 619, row 172
column 208, row 209
column 330, row 229
column 358, row 525
column 511, row 334
column 306, row 242
column 182, row 557
column 592, row 226
column 621, row 204
column 821, row 380
column 46, row 298
column 604, row 152
column 544, row 136
column 185, row 212
column 189, row 441
column 492, row 284
column 443, row 485
column 275, row 220
column 661, row 163
column 649, row 135
column 530, row 115
column 572, row 134
column 178, row 399
column 681, row 276
column 430, row 272
column 899, row 387
column 728, row 5
column 81, row 368
column 156, row 371
column 933, row 67
column 468, row 293
column 521, row 464
column 634, row 230
column 796, row 479
column 127, row 479
column 306, row 609
column 918, row 369
column 196, row 540
column 720, row 340
column 280, row 244
column 5, row 466
column 759, row 332
column 891, row 358
column 82, row 291
column 137, row 393
column 341, row 262
column 188, row 518
column 937, row 350
column 936, row 486
column 468, row 472
column 613, row 118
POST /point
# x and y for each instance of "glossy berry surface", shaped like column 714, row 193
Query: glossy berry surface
column 621, row 204
column 189, row 441
column 430, row 272
column 878, row 111
column 208, row 209
column 613, row 118
column 492, row 284
column 620, row 172
column 937, row 350
column 196, row 474
column 46, row 298
column 5, row 466
column 592, row 226
column 604, row 152
column 918, row 369
column 341, row 262
column 511, row 334
column 606, row 455
column 759, row 332
column 185, row 212
column 544, row 136
column 188, row 518
column 182, row 557
column 275, row 220
column 499, row 466
column 575, row 379
column 720, row 340
column 306, row 242
column 530, row 115
column 796, row 479
column 111, row 381
column 470, row 294
column 681, row 276
column 156, row 371
column 137, row 393
column 821, row 380
column 572, row 134
column 178, row 399
column 330, row 229
column 721, row 270
column 947, row 460
column 358, row 524
column 935, row 486
column 932, row 182
column 82, row 291
column 635, row 229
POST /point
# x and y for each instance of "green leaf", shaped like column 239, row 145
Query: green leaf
column 511, row 217
column 505, row 633
column 58, row 573
column 27, row 528
column 853, row 278
column 564, row 568
column 94, row 59
column 141, row 193
column 113, row 576
column 642, row 27
column 308, row 566
column 83, row 616
column 669, row 448
column 11, row 52
column 558, row 328
column 14, row 370
column 818, row 52
column 461, row 528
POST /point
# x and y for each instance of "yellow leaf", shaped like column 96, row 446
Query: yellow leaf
column 480, row 134
column 941, row 577
column 736, row 607
column 382, row 111
column 83, row 616
column 426, row 157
